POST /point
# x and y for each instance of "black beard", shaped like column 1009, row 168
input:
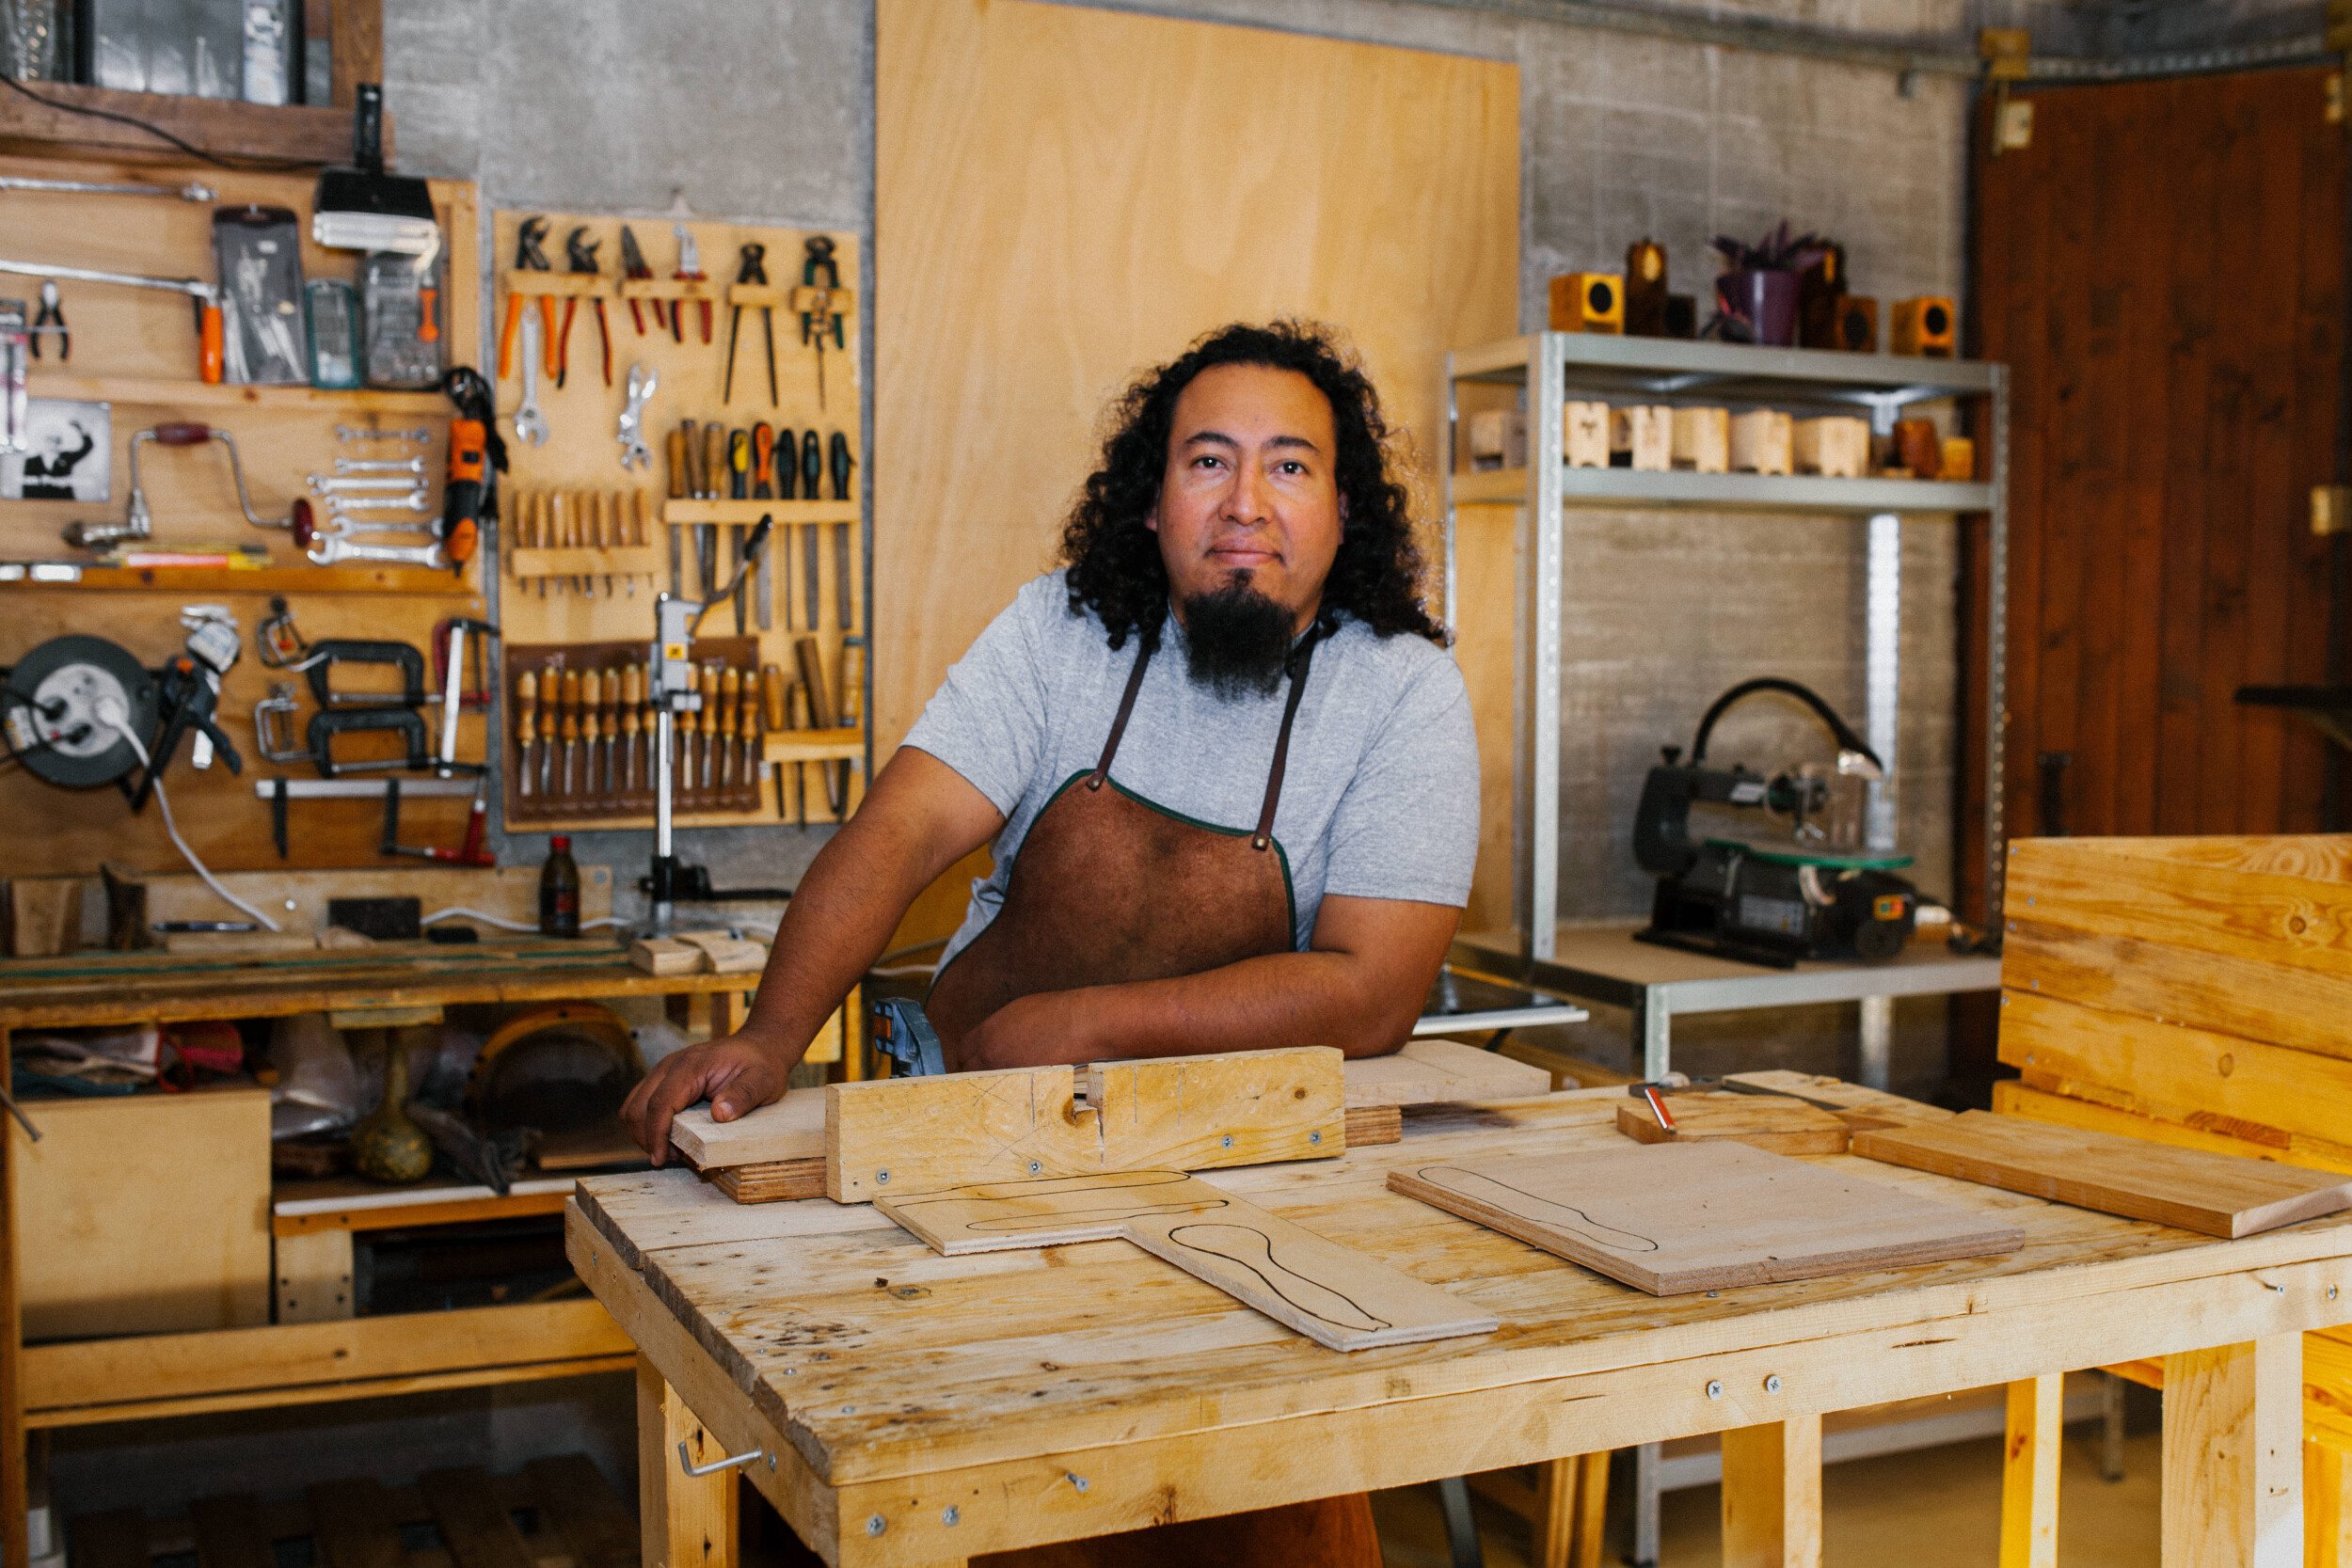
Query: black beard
column 1236, row 640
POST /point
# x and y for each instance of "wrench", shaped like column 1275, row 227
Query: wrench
column 321, row 485
column 378, row 466
column 333, row 548
column 338, row 526
column 360, row 433
column 643, row 382
column 412, row 502
column 529, row 424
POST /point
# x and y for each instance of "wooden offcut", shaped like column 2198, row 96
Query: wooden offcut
column 1440, row 1071
column 2216, row 1195
column 1674, row 1218
column 1781, row 1126
column 1336, row 1296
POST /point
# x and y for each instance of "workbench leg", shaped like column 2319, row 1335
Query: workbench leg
column 1878, row 1041
column 1653, row 1024
column 2030, row 1472
column 684, row 1521
column 2326, row 1507
column 1772, row 1495
column 1645, row 1531
column 2232, row 1455
column 1571, row 1496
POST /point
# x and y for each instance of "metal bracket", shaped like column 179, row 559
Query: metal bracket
column 686, row 1461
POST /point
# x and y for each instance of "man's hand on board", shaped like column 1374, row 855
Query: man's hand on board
column 736, row 1074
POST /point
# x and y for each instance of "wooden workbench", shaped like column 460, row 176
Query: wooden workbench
column 163, row 1374
column 905, row 1408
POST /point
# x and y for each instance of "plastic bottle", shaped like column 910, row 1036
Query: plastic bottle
column 559, row 891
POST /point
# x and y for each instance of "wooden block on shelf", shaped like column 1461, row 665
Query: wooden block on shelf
column 1585, row 434
column 1588, row 302
column 2215, row 1194
column 44, row 915
column 1762, row 442
column 571, row 285
column 1918, row 449
column 665, row 955
column 1644, row 434
column 1497, row 439
column 1674, row 1218
column 1838, row 447
column 1702, row 440
column 726, row 955
column 1960, row 460
column 1768, row 1122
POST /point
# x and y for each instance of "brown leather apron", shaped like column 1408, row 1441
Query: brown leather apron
column 1110, row 888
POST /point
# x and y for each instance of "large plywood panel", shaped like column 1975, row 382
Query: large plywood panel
column 1042, row 234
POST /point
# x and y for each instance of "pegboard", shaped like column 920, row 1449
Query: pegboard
column 576, row 567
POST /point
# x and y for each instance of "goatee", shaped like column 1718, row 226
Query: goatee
column 1238, row 641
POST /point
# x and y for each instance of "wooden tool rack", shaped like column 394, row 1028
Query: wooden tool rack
column 903, row 1408
column 84, row 1382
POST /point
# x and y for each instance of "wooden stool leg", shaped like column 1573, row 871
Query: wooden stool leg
column 2326, row 1507
column 2030, row 1472
column 684, row 1521
column 1592, row 1503
column 1772, row 1495
column 1555, row 1512
column 2232, row 1466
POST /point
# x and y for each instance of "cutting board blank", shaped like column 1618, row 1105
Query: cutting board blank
column 1671, row 1218
column 2216, row 1195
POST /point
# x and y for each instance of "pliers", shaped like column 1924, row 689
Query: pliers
column 51, row 318
column 753, row 271
column 690, row 269
column 633, row 266
column 583, row 260
column 527, row 257
column 815, row 323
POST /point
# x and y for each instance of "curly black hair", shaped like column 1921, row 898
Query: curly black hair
column 1114, row 557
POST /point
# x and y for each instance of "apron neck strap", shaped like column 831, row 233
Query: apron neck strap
column 1148, row 643
column 1304, row 658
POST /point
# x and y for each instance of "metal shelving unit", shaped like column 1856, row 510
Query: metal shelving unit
column 1552, row 366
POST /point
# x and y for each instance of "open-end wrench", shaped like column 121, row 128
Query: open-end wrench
column 644, row 380
column 529, row 424
column 379, row 465
column 332, row 549
column 413, row 500
column 327, row 484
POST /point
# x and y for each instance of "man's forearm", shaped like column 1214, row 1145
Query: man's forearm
column 1283, row 999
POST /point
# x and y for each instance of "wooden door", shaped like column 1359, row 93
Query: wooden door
column 2163, row 270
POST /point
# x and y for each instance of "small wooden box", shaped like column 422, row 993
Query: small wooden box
column 1838, row 447
column 1644, row 434
column 1497, row 439
column 1918, row 449
column 1702, row 440
column 1929, row 325
column 1585, row 434
column 1588, row 302
column 1762, row 441
column 1959, row 459
column 1854, row 325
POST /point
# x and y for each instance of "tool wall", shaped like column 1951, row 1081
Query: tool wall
column 134, row 367
column 594, row 528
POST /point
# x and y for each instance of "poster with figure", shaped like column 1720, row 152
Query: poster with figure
column 69, row 454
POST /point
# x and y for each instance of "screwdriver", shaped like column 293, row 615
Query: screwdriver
column 773, row 696
column 570, row 688
column 526, row 727
column 608, row 721
column 709, row 718
column 730, row 716
column 590, row 693
column 632, row 693
column 747, row 735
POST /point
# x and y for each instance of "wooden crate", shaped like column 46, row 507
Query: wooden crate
column 146, row 1213
column 2191, row 992
column 557, row 1514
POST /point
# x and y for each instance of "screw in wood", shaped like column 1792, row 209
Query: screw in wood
column 1714, row 1388
column 876, row 1524
column 953, row 1515
column 881, row 1178
column 1228, row 1141
column 1314, row 1137
column 1079, row 1482
column 1772, row 1384
column 1036, row 1166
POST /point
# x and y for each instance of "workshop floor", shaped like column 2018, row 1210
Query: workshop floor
column 1926, row 1509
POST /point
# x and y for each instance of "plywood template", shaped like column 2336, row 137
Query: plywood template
column 1761, row 1122
column 1243, row 1108
column 2216, row 1195
column 1244, row 149
column 1333, row 1295
column 1712, row 1216
column 1433, row 1072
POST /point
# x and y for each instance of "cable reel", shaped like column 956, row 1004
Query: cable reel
column 53, row 699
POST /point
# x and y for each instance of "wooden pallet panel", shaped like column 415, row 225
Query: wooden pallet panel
column 1761, row 1122
column 586, row 1511
column 353, row 1526
column 2215, row 1194
column 2294, row 907
column 1674, row 1218
column 474, row 1525
column 1341, row 1299
column 2068, row 1109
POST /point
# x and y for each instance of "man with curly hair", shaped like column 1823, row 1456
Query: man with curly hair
column 1228, row 771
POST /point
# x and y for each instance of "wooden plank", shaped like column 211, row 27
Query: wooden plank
column 2282, row 1002
column 2267, row 916
column 228, row 1532
column 1435, row 1071
column 1771, row 1494
column 224, row 127
column 312, row 1277
column 573, row 1493
column 2039, row 1104
column 2233, row 1459
column 2029, row 1471
column 2164, row 1063
column 1368, row 1125
column 2326, row 1507
column 2328, row 1390
column 1781, row 1126
column 508, row 892
column 2212, row 1193
column 351, row 1521
column 1338, row 1297
column 923, row 1134
column 114, row 1539
column 1712, row 1217
column 478, row 1533
column 697, row 1516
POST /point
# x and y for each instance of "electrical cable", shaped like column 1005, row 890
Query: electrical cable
column 244, row 165
column 459, row 912
column 110, row 712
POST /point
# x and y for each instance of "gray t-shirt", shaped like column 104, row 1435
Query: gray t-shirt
column 1379, row 797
